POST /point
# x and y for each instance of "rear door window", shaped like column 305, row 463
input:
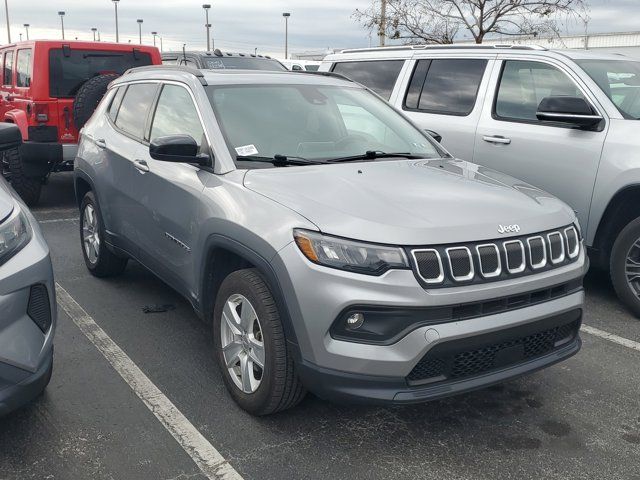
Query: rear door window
column 23, row 68
column 7, row 75
column 69, row 69
column 445, row 86
column 133, row 111
column 380, row 75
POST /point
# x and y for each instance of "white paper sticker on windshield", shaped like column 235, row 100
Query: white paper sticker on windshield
column 247, row 150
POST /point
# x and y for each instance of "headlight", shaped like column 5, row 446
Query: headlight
column 349, row 255
column 15, row 233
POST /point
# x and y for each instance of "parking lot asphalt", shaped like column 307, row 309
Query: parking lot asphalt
column 579, row 419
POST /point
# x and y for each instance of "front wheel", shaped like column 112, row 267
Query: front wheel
column 625, row 266
column 251, row 348
column 100, row 261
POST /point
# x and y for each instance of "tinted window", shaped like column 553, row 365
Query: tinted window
column 169, row 61
column 115, row 103
column 132, row 113
column 189, row 62
column 8, row 69
column 379, row 76
column 23, row 68
column 445, row 86
column 312, row 68
column 69, row 69
column 243, row 63
column 176, row 114
column 524, row 84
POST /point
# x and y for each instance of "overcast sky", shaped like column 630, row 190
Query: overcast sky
column 240, row 25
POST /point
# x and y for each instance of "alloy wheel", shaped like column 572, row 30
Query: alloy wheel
column 242, row 343
column 90, row 234
column 632, row 268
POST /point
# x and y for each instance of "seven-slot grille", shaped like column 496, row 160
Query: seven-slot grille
column 500, row 259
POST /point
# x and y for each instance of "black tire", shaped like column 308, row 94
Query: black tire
column 88, row 97
column 622, row 249
column 28, row 188
column 106, row 263
column 279, row 387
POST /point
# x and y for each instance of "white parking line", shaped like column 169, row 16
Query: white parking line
column 206, row 457
column 625, row 342
column 57, row 220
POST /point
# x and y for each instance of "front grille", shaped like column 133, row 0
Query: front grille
column 448, row 265
column 39, row 309
column 471, row 357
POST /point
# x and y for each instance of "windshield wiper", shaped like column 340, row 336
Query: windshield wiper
column 374, row 154
column 278, row 160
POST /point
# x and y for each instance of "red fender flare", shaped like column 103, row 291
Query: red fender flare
column 18, row 117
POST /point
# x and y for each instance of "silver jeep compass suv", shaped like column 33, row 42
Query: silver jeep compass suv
column 333, row 245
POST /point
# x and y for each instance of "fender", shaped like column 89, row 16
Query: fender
column 265, row 268
column 18, row 117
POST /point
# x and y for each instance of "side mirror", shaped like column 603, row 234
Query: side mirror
column 568, row 109
column 177, row 148
column 10, row 136
column 436, row 136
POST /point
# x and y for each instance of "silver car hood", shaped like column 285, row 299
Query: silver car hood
column 6, row 200
column 410, row 202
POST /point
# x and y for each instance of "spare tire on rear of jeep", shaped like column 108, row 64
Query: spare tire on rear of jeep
column 88, row 97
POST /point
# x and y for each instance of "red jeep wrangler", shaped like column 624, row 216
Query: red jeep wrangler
column 49, row 89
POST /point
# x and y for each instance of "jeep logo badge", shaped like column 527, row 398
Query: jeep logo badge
column 515, row 228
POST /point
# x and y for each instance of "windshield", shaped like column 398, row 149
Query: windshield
column 243, row 63
column 70, row 69
column 619, row 80
column 312, row 122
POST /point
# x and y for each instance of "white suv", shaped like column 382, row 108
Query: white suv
column 563, row 120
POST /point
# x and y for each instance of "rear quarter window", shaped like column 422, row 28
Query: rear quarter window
column 378, row 75
column 23, row 68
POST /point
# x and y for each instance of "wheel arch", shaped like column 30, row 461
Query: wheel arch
column 19, row 118
column 224, row 255
column 621, row 209
column 82, row 184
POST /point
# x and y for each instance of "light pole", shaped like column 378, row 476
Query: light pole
column 286, row 16
column 94, row 30
column 155, row 34
column 26, row 27
column 161, row 49
column 61, row 13
column 207, row 25
column 140, row 29
column 255, row 51
column 6, row 11
column 115, row 4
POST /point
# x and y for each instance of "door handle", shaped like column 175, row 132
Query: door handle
column 496, row 139
column 141, row 165
column 101, row 143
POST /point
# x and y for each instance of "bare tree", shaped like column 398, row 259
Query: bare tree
column 439, row 21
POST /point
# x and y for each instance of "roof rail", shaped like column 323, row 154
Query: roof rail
column 441, row 47
column 177, row 68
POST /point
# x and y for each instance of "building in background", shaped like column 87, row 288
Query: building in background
column 626, row 43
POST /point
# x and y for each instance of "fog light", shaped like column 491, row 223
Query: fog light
column 355, row 321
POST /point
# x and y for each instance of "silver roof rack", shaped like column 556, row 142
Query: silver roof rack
column 442, row 47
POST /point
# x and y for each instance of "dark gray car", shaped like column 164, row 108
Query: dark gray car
column 333, row 245
column 27, row 297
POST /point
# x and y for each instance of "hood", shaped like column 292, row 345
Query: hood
column 6, row 200
column 411, row 202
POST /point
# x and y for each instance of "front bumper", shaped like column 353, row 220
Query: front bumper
column 26, row 290
column 17, row 393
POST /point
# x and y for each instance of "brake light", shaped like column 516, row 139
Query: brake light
column 41, row 112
